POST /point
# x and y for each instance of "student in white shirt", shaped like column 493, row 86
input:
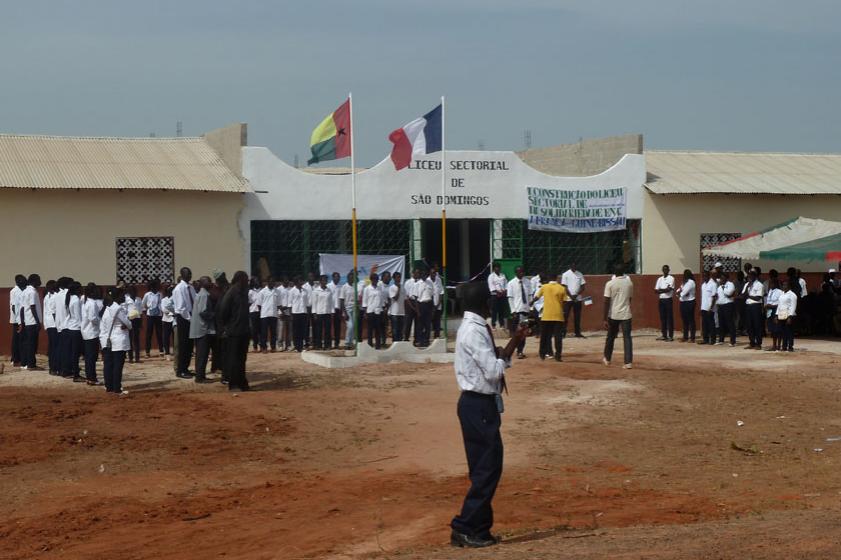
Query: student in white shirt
column 411, row 306
column 308, row 287
column 167, row 320
column 396, row 307
column 754, row 295
column 786, row 312
column 321, row 303
column 425, row 294
column 438, row 299
column 150, row 305
column 347, row 303
column 73, row 325
column 92, row 308
column 132, row 305
column 709, row 290
column 772, row 300
column 31, row 317
column 114, row 330
column 335, row 286
column 254, row 312
column 267, row 304
column 49, row 325
column 63, row 283
column 183, row 297
column 284, row 319
column 519, row 298
column 575, row 284
column 372, row 301
column 498, row 286
column 724, row 300
column 665, row 288
column 687, row 306
column 298, row 305
column 14, row 317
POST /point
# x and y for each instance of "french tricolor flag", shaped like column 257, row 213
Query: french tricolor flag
column 419, row 137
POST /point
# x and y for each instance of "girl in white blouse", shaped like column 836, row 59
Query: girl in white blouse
column 91, row 312
column 114, row 338
column 73, row 346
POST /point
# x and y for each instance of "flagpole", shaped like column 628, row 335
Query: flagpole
column 353, row 227
column 444, row 216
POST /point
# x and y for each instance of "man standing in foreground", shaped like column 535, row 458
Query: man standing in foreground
column 234, row 319
column 617, row 314
column 573, row 281
column 480, row 367
column 183, row 298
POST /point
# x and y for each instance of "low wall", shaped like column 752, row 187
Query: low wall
column 644, row 307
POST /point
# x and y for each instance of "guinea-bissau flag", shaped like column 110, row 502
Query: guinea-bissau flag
column 331, row 138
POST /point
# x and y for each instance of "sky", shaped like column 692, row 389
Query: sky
column 750, row 75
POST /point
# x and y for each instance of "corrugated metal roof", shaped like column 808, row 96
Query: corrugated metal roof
column 62, row 162
column 671, row 172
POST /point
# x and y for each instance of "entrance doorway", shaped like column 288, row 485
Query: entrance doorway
column 468, row 246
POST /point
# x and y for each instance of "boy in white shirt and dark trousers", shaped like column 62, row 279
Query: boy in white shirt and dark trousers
column 397, row 307
column 267, row 303
column 91, row 310
column 114, row 339
column 786, row 312
column 335, row 289
column 498, row 286
column 573, row 281
column 14, row 317
column 183, row 298
column 519, row 299
column 31, row 317
column 322, row 311
column 151, row 306
column 665, row 288
column 754, row 294
column 49, row 325
column 724, row 300
column 372, row 301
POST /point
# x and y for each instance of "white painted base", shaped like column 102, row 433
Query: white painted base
column 397, row 352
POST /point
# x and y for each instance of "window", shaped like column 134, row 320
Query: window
column 708, row 261
column 140, row 259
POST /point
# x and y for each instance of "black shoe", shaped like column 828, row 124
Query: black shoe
column 78, row 379
column 224, row 382
column 579, row 335
column 558, row 358
column 202, row 380
column 466, row 541
column 183, row 375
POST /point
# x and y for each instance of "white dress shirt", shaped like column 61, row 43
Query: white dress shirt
column 754, row 288
column 49, row 311
column 573, row 280
column 725, row 293
column 14, row 302
column 519, row 294
column 708, row 291
column 409, row 288
column 335, row 292
column 347, row 295
column 281, row 294
column 116, row 326
column 267, row 302
column 476, row 365
column 372, row 299
column 28, row 298
column 298, row 300
column 535, row 286
column 803, row 290
column 666, row 283
column 168, row 309
column 438, row 294
column 183, row 297
column 787, row 304
column 151, row 304
column 687, row 291
column 307, row 287
column 321, row 300
column 425, row 290
column 253, row 301
column 497, row 282
column 60, row 310
column 90, row 318
column 74, row 317
column 397, row 297
column 773, row 297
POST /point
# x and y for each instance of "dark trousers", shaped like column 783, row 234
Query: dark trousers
column 337, row 327
column 787, row 334
column 217, row 352
column 551, row 331
column 573, row 307
column 154, row 324
column 612, row 332
column 480, row 422
column 299, row 330
column 410, row 320
column 29, row 346
column 112, row 369
column 708, row 326
column 268, row 332
column 166, row 338
column 134, row 338
column 436, row 322
column 498, row 310
column 687, row 319
column 516, row 320
column 91, row 352
column 754, row 325
column 375, row 330
column 236, row 353
column 424, row 322
column 396, row 328
column 254, row 317
column 321, row 331
column 72, row 350
column 16, row 336
column 203, row 345
column 726, row 322
column 52, row 349
column 185, row 344
column 667, row 317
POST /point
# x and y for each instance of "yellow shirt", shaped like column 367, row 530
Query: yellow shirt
column 553, row 301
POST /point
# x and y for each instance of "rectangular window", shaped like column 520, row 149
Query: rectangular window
column 140, row 259
column 712, row 239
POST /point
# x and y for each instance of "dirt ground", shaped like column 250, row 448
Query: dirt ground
column 697, row 452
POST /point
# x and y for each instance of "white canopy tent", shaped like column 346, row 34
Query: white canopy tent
column 756, row 245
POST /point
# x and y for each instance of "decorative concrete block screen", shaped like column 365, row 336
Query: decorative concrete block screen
column 140, row 259
column 708, row 261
